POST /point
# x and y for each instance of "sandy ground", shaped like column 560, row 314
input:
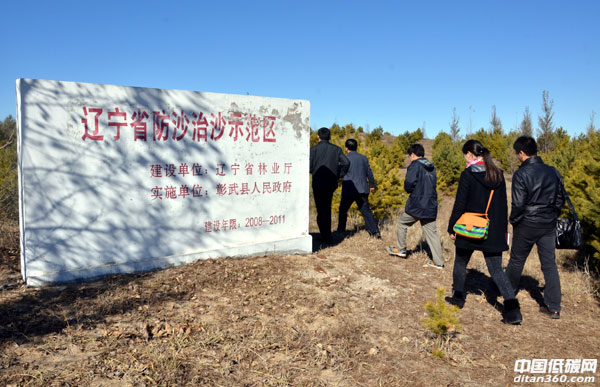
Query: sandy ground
column 346, row 315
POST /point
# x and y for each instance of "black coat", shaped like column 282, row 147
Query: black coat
column 420, row 183
column 536, row 195
column 327, row 164
column 472, row 196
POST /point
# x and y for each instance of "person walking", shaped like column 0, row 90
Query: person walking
column 482, row 189
column 356, row 186
column 327, row 164
column 421, row 206
column 537, row 200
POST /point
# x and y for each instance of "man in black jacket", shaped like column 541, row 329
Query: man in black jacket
column 356, row 186
column 536, row 203
column 327, row 164
column 420, row 183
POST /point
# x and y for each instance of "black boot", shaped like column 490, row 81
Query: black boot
column 512, row 312
column 458, row 299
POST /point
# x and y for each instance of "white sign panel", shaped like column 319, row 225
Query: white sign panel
column 124, row 179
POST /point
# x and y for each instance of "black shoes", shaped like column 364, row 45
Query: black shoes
column 512, row 312
column 458, row 299
column 549, row 313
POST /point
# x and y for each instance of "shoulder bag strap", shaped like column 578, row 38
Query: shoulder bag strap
column 566, row 195
column 489, row 202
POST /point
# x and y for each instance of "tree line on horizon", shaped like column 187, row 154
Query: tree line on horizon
column 577, row 158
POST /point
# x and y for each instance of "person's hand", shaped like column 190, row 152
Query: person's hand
column 453, row 237
column 371, row 189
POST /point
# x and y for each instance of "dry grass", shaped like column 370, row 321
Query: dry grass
column 347, row 315
column 9, row 235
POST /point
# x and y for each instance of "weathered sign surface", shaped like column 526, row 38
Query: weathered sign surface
column 119, row 179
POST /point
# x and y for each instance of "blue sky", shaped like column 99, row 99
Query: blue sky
column 395, row 64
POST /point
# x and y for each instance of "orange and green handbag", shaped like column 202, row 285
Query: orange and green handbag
column 473, row 225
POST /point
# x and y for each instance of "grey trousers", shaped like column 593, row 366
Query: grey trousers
column 429, row 230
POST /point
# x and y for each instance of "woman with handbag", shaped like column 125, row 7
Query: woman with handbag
column 479, row 221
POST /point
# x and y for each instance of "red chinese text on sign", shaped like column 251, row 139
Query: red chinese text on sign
column 160, row 125
column 180, row 122
column 236, row 123
column 139, row 125
column 94, row 136
column 269, row 133
column 122, row 116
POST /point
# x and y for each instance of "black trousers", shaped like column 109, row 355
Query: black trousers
column 493, row 262
column 323, row 195
column 362, row 201
column 523, row 240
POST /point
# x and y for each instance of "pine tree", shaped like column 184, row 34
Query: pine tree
column 495, row 123
column 526, row 127
column 448, row 161
column 349, row 130
column 591, row 126
column 509, row 161
column 582, row 182
column 9, row 201
column 546, row 130
column 454, row 128
column 403, row 141
column 336, row 130
column 441, row 318
column 564, row 152
column 375, row 135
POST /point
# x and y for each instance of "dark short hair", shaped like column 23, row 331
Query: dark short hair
column 351, row 144
column 417, row 149
column 526, row 144
column 324, row 134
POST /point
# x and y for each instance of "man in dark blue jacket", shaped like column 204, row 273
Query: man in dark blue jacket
column 537, row 199
column 327, row 164
column 356, row 186
column 420, row 183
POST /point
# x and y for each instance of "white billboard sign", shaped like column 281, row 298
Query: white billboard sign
column 119, row 179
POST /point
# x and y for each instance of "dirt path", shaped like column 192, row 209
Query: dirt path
column 346, row 315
